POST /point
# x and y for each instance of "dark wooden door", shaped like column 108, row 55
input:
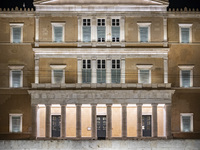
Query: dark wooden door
column 101, row 127
column 146, row 125
column 56, row 121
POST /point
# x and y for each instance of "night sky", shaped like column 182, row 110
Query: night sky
column 29, row 3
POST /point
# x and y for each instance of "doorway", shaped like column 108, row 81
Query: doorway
column 101, row 127
column 146, row 125
column 56, row 121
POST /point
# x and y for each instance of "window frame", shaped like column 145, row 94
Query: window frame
column 58, row 24
column 190, row 32
column 101, row 26
column 144, row 67
column 15, row 68
column 57, row 67
column 13, row 25
column 10, row 122
column 191, row 121
column 191, row 75
column 116, row 18
column 86, row 26
column 148, row 25
column 87, row 68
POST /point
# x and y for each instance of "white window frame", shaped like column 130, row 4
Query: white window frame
column 57, row 67
column 101, row 26
column 191, row 121
column 10, row 121
column 144, row 67
column 19, row 25
column 86, row 25
column 16, row 68
column 190, row 32
column 191, row 74
column 149, row 31
column 58, row 24
column 120, row 36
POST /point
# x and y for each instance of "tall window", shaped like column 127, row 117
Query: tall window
column 116, row 71
column 144, row 73
column 101, row 30
column 58, row 74
column 15, row 123
column 185, row 33
column 101, row 71
column 86, row 71
column 86, row 30
column 144, row 32
column 115, row 30
column 58, row 32
column 186, row 122
column 16, row 76
column 186, row 76
column 16, row 33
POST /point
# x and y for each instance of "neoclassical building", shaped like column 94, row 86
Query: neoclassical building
column 99, row 70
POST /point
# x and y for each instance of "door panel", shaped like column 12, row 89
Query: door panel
column 101, row 127
column 56, row 121
column 146, row 125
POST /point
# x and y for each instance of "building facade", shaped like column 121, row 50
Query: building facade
column 99, row 70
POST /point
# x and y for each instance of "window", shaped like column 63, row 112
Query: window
column 86, row 30
column 186, row 122
column 186, row 76
column 101, row 71
column 15, row 122
column 58, row 74
column 144, row 32
column 144, row 73
column 116, row 71
column 101, row 30
column 58, row 32
column 185, row 33
column 16, row 32
column 86, row 71
column 115, row 30
column 16, row 76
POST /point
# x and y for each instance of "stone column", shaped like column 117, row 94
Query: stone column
column 36, row 31
column 165, row 70
column 122, row 29
column 94, row 30
column 109, row 121
column 48, row 121
column 36, row 70
column 123, row 65
column 139, row 120
column 63, row 121
column 34, row 109
column 154, row 120
column 94, row 122
column 108, row 70
column 79, row 29
column 78, row 120
column 165, row 31
column 124, row 121
column 168, row 120
column 94, row 70
column 108, row 30
column 79, row 69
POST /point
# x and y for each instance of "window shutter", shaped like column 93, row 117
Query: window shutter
column 101, row 32
column 15, row 123
column 101, row 75
column 185, row 33
column 186, row 123
column 86, row 34
column 89, row 75
column 113, row 75
column 16, row 34
column 116, row 75
column 98, row 75
column 58, row 34
column 115, row 32
column 58, row 76
column 84, row 75
column 16, row 78
column 144, row 76
column 143, row 34
column 186, row 78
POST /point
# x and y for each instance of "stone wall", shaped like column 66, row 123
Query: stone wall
column 101, row 145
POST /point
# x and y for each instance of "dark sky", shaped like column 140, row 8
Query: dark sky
column 29, row 3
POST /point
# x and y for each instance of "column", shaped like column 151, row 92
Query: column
column 165, row 31
column 154, row 120
column 108, row 70
column 139, row 120
column 122, row 29
column 108, row 29
column 36, row 31
column 78, row 120
column 124, row 121
column 79, row 69
column 123, row 65
column 165, row 70
column 34, row 109
column 48, row 121
column 63, row 121
column 36, row 70
column 94, row 30
column 94, row 70
column 109, row 121
column 94, row 122
column 79, row 29
column 168, row 120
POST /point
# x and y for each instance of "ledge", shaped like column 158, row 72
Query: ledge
column 99, row 86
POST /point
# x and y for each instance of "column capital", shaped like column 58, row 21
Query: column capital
column 139, row 104
column 62, row 105
column 154, row 104
column 108, row 104
column 48, row 105
column 124, row 104
column 93, row 104
column 168, row 104
column 78, row 104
